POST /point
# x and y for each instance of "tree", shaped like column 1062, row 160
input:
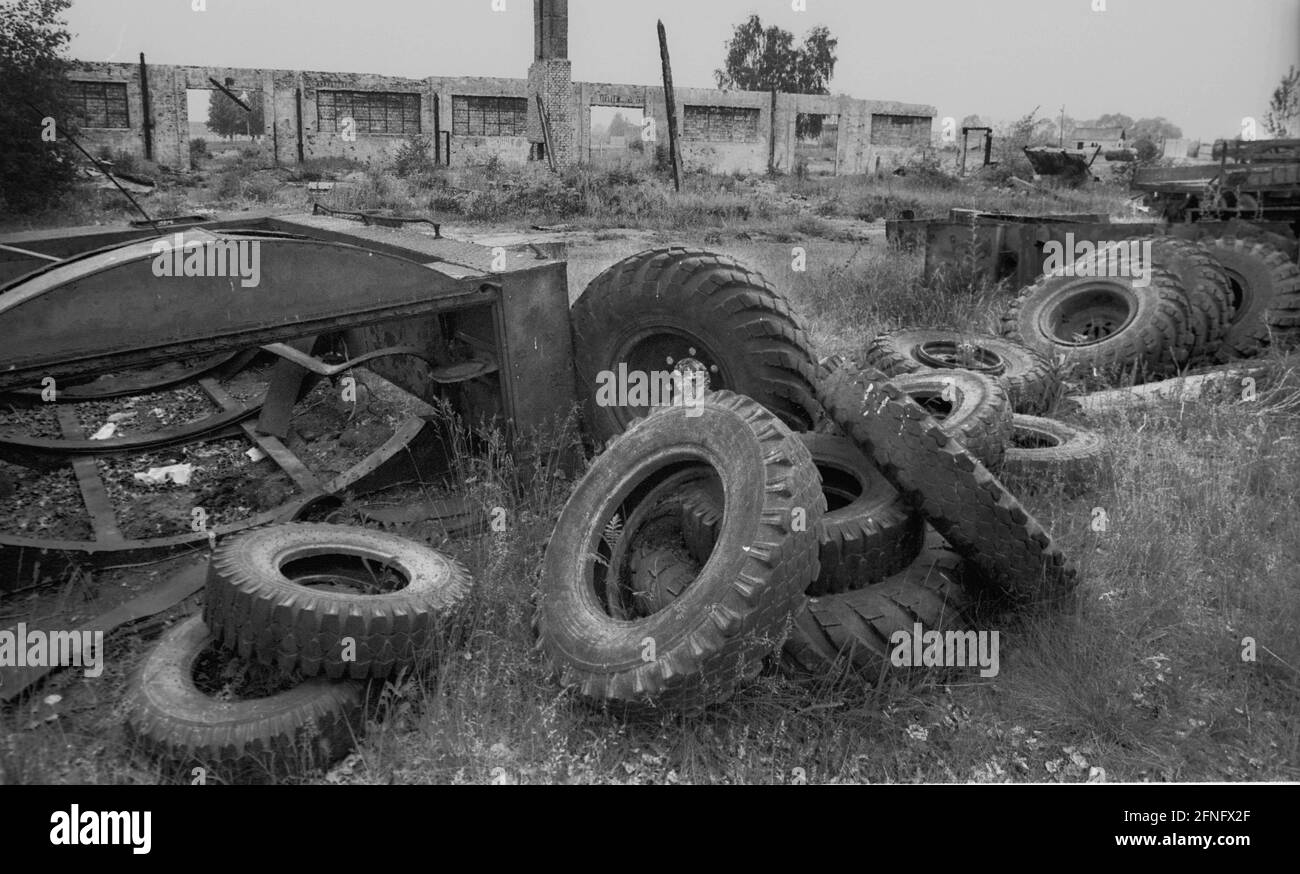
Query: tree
column 618, row 126
column 767, row 59
column 1283, row 114
column 38, row 163
column 1154, row 129
column 1147, row 150
column 227, row 118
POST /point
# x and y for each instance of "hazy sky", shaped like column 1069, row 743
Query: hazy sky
column 1203, row 64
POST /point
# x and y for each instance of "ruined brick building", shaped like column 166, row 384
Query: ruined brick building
column 142, row 109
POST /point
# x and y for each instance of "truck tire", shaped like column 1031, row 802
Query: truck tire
column 690, row 311
column 1105, row 326
column 717, row 633
column 1015, row 558
column 286, row 595
column 1044, row 451
column 1246, row 230
column 855, row 629
column 969, row 406
column 659, row 576
column 1205, row 283
column 867, row 534
column 168, row 716
column 1261, row 278
column 1030, row 380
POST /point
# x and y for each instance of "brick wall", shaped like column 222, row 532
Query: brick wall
column 868, row 138
column 553, row 81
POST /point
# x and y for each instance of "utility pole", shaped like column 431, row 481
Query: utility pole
column 674, row 148
column 1061, row 132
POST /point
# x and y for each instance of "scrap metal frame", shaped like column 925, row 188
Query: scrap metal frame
column 424, row 312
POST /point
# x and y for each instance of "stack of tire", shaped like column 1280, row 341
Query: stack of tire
column 798, row 510
column 330, row 606
column 1126, row 313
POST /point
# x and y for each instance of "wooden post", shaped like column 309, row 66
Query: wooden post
column 771, row 139
column 674, row 150
column 146, row 112
column 545, row 121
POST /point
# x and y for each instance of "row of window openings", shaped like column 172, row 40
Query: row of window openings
column 104, row 104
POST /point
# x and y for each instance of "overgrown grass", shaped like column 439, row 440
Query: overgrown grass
column 1142, row 678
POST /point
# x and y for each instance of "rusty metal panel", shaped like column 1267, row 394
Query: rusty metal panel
column 109, row 309
column 537, row 372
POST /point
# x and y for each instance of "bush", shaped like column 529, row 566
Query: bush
column 413, row 157
column 198, row 149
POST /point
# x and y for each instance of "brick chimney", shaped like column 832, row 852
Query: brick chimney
column 551, row 76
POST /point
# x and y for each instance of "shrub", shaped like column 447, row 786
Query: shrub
column 413, row 157
column 198, row 149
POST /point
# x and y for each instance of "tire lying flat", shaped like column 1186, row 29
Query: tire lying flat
column 1044, row 452
column 259, row 612
column 974, row 512
column 307, row 726
column 715, row 635
column 1030, row 379
column 686, row 308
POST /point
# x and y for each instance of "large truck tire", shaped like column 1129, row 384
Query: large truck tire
column 701, row 647
column 693, row 312
column 1107, row 326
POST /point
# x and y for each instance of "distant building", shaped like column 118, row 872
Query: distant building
column 1093, row 137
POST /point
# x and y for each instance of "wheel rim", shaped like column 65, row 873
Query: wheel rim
column 960, row 356
column 660, row 353
column 611, row 587
column 1088, row 315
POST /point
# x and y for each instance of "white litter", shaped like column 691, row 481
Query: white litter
column 255, row 454
column 176, row 473
column 119, row 417
column 105, row 432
